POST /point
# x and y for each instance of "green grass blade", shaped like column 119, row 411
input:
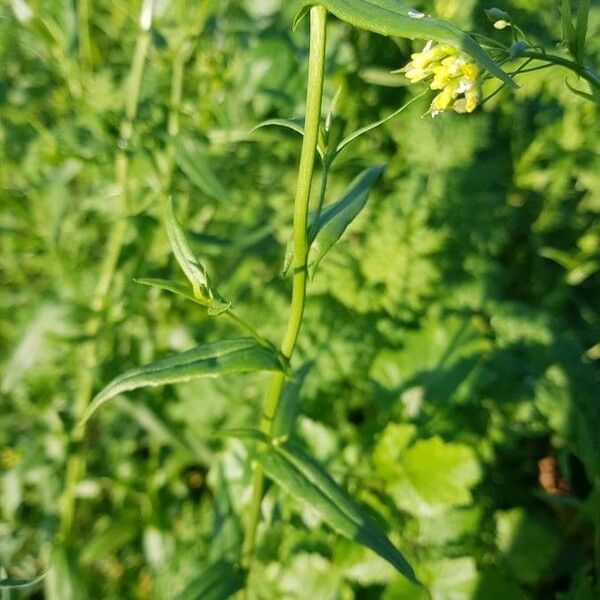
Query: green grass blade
column 192, row 159
column 238, row 355
column 394, row 18
column 217, row 582
column 336, row 217
column 306, row 480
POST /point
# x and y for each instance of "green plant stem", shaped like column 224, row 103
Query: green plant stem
column 582, row 71
column 83, row 31
column 324, row 178
column 75, row 467
column 316, row 70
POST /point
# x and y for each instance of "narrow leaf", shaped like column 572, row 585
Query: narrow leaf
column 581, row 27
column 306, row 480
column 170, row 286
column 289, row 403
column 394, row 18
column 296, row 125
column 567, row 26
column 239, row 355
column 359, row 132
column 192, row 267
column 19, row 583
column 193, row 160
column 335, row 218
column 218, row 581
column 582, row 94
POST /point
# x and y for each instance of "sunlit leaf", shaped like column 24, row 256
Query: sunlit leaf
column 394, row 18
column 170, row 286
column 581, row 27
column 193, row 269
column 208, row 360
column 336, row 217
column 307, row 481
column 296, row 125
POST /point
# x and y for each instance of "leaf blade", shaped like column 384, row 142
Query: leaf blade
column 394, row 18
column 305, row 479
column 191, row 266
column 193, row 161
column 217, row 582
column 239, row 355
column 337, row 216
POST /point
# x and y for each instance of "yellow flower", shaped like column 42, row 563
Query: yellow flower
column 453, row 73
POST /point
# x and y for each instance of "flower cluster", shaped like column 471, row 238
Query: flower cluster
column 454, row 75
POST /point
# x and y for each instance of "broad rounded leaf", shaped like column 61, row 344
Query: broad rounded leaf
column 394, row 18
column 208, row 360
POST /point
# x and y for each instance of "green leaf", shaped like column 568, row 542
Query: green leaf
column 296, row 125
column 306, row 480
column 336, row 217
column 218, row 581
column 360, row 132
column 191, row 265
column 394, row 18
column 567, row 26
column 430, row 476
column 289, row 403
column 192, row 159
column 170, row 286
column 19, row 583
column 529, row 543
column 238, row 355
column 581, row 27
column 107, row 542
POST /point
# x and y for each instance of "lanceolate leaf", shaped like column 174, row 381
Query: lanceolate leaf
column 171, row 286
column 217, row 582
column 208, row 360
column 193, row 269
column 14, row 583
column 302, row 477
column 336, row 217
column 581, row 28
column 567, row 26
column 192, row 159
column 296, row 125
column 394, row 18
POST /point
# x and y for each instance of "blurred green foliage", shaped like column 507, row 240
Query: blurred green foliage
column 453, row 334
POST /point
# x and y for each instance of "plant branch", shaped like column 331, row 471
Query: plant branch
column 75, row 467
column 316, row 70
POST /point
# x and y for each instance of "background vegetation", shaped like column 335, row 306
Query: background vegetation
column 451, row 339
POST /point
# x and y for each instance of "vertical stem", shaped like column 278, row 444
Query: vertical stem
column 316, row 69
column 75, row 467
column 83, row 31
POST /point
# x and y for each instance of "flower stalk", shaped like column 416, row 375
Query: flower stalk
column 316, row 70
